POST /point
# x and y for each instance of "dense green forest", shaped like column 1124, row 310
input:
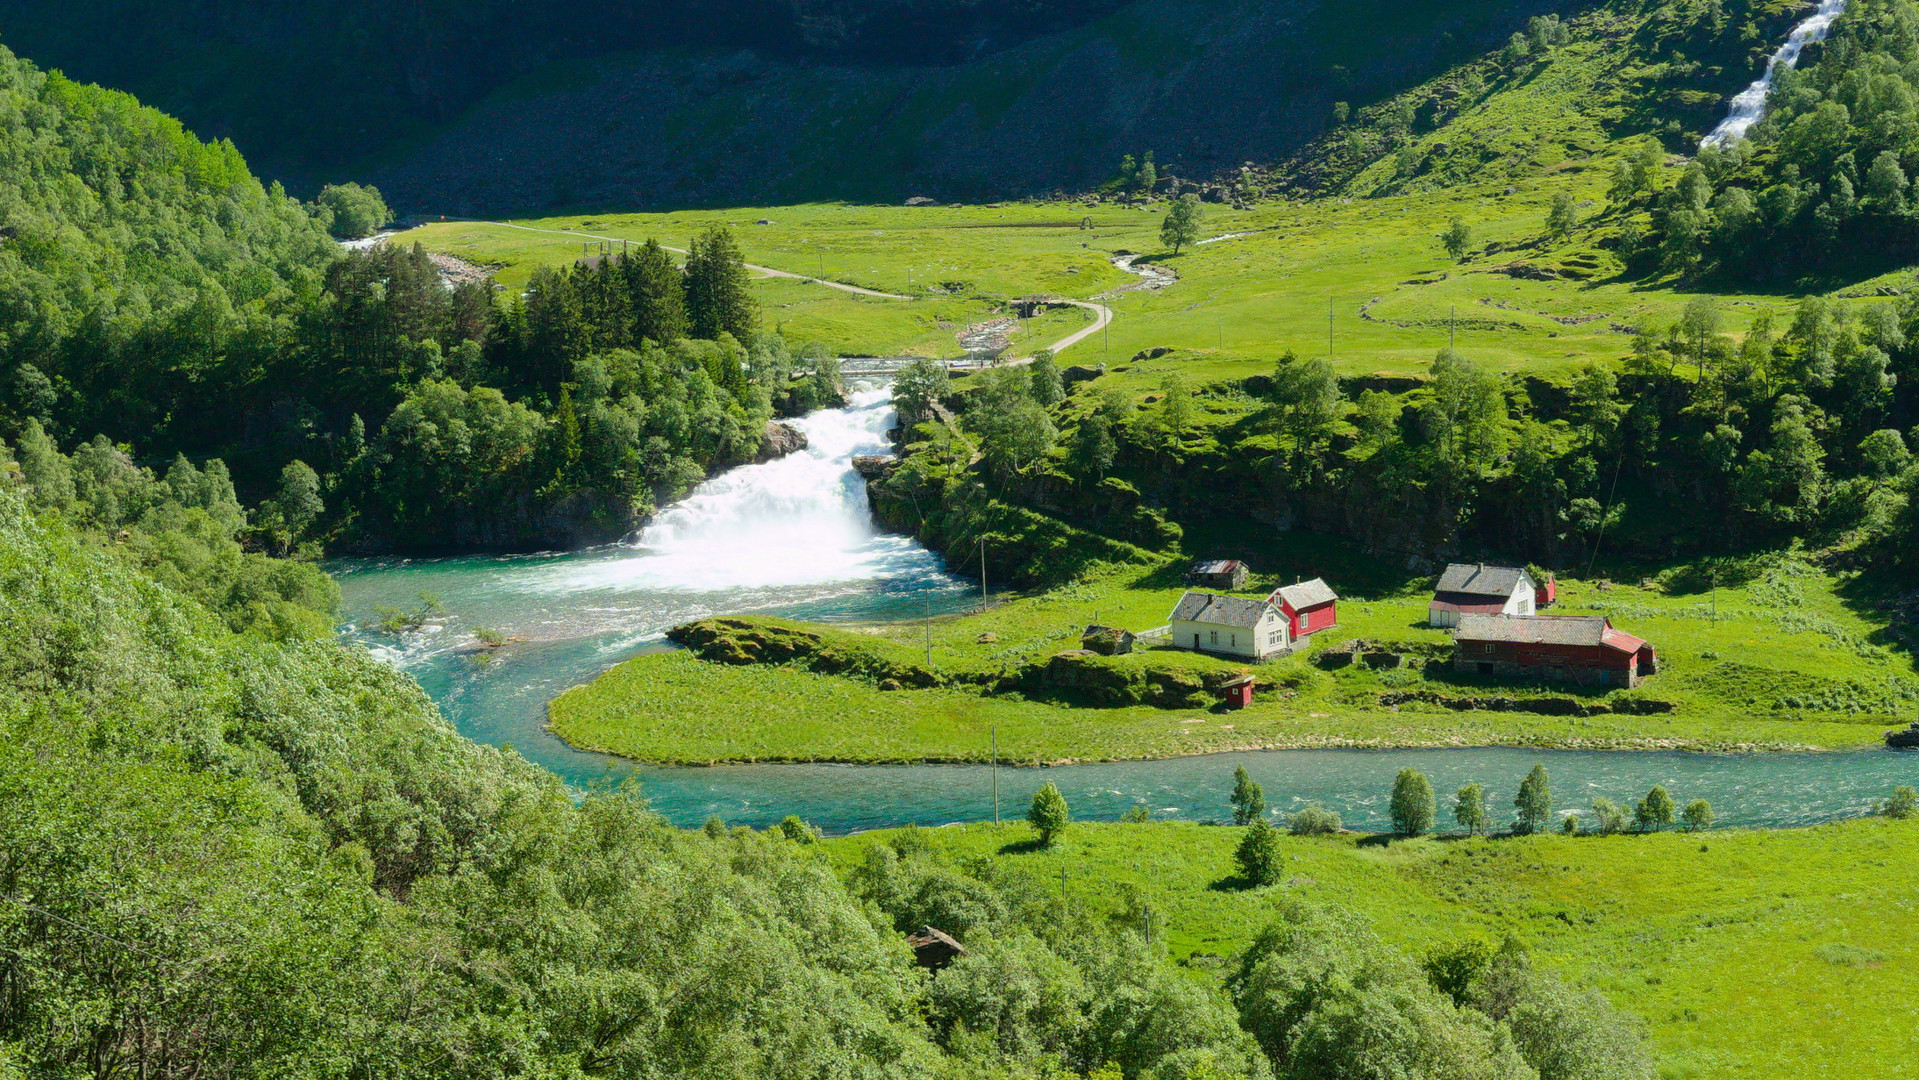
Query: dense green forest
column 153, row 291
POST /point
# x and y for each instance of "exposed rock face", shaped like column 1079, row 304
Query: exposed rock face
column 1079, row 373
column 781, row 439
column 1905, row 738
column 874, row 467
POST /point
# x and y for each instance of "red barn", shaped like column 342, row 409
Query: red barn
column 1309, row 607
column 1565, row 648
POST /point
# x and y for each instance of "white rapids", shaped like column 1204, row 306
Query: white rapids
column 800, row 520
column 1750, row 104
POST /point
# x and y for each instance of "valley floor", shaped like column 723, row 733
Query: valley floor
column 1752, row 955
column 1785, row 660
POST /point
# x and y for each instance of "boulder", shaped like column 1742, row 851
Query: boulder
column 780, row 440
column 919, row 200
column 1153, row 353
column 873, row 466
column 1079, row 373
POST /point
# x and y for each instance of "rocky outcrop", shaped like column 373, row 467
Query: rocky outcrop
column 1906, row 738
column 875, row 466
column 780, row 440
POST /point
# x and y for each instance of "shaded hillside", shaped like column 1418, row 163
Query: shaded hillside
column 309, row 88
column 1204, row 85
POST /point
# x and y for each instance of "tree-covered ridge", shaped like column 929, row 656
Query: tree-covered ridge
column 154, row 293
column 138, row 260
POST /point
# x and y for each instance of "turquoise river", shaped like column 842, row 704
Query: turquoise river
column 795, row 537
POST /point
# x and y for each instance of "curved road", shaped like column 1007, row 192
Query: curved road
column 1102, row 315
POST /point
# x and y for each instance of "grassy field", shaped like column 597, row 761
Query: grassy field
column 1779, row 659
column 1782, row 954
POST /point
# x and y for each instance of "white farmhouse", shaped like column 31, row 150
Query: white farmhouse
column 1479, row 589
column 1228, row 625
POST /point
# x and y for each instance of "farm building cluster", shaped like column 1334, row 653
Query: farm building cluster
column 1493, row 612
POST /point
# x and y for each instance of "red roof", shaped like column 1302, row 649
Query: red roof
column 1624, row 642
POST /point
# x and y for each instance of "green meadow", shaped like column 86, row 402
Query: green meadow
column 1751, row 955
column 1779, row 655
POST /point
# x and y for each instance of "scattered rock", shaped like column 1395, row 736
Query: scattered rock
column 919, row 200
column 764, row 221
column 988, row 638
column 1153, row 353
column 889, row 684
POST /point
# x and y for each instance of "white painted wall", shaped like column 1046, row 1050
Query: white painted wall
column 1264, row 640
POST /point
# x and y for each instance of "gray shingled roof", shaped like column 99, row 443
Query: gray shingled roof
column 1203, row 607
column 1479, row 579
column 1538, row 630
column 1308, row 594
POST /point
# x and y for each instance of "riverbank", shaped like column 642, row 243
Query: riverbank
column 1803, row 933
column 1781, row 661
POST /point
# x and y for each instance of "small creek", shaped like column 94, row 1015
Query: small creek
column 796, row 537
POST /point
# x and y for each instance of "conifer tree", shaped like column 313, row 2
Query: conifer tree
column 1534, row 801
column 656, row 290
column 1049, row 815
column 719, row 296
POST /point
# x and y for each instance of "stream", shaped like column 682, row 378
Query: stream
column 796, row 537
column 1749, row 105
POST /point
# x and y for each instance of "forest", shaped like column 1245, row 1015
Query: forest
column 153, row 290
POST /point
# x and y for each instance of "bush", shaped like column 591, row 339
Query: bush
column 1697, row 816
column 1314, row 820
column 1904, row 802
column 1259, row 857
column 1049, row 815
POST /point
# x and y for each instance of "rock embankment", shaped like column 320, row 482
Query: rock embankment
column 1906, row 738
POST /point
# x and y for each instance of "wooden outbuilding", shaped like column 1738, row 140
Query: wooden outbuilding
column 1583, row 649
column 1481, row 589
column 934, row 950
column 1217, row 574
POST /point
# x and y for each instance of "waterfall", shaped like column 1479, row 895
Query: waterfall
column 1750, row 104
column 798, row 521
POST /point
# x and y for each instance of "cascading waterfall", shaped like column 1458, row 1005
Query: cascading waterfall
column 1750, row 104
column 800, row 520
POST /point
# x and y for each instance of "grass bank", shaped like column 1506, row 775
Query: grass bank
column 1781, row 658
column 1805, row 935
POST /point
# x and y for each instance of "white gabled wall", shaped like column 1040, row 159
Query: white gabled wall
column 1254, row 643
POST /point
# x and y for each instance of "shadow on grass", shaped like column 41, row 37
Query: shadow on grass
column 1023, row 847
column 1233, row 883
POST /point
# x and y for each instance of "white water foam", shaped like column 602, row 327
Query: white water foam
column 797, row 521
column 1750, row 104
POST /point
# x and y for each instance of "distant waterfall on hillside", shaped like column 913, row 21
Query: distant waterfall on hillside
column 1750, row 104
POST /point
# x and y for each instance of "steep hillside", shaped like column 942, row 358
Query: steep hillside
column 1204, row 85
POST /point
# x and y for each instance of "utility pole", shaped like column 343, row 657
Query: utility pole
column 995, row 730
column 982, row 573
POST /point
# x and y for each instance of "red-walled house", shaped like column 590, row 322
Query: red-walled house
column 1309, row 607
column 1565, row 648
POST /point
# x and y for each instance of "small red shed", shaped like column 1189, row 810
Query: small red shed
column 1309, row 607
column 1544, row 595
column 1238, row 693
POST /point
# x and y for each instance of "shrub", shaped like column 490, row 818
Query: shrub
column 1654, row 811
column 1697, row 816
column 1904, row 802
column 1314, row 820
column 1259, row 857
column 1611, row 816
column 1049, row 815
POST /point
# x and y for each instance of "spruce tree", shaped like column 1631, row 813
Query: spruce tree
column 1259, row 856
column 1249, row 800
column 656, row 291
column 719, row 295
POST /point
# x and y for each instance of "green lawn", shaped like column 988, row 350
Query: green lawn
column 1780, row 660
column 1781, row 954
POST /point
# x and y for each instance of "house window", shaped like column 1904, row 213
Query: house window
column 1215, row 636
column 1486, row 648
column 1235, row 642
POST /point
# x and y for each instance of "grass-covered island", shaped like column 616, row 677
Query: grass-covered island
column 1777, row 655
